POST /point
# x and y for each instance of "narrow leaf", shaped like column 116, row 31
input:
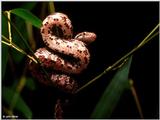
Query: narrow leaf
column 8, row 95
column 112, row 93
column 28, row 16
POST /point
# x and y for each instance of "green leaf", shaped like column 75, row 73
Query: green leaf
column 28, row 16
column 4, row 47
column 15, row 37
column 9, row 96
column 112, row 93
column 19, row 22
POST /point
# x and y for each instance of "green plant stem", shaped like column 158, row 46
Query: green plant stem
column 9, row 26
column 23, row 52
column 26, row 44
column 144, row 41
column 9, row 43
column 154, row 35
column 17, row 48
column 36, row 60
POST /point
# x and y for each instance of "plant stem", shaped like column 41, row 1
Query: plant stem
column 144, row 41
column 9, row 26
column 23, row 52
column 17, row 48
column 12, row 45
column 148, row 35
column 51, row 7
column 134, row 93
column 26, row 44
column 35, row 59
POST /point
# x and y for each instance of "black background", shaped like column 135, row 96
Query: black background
column 119, row 26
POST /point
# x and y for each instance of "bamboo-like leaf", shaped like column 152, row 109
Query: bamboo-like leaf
column 28, row 16
column 18, row 41
column 20, row 105
column 112, row 93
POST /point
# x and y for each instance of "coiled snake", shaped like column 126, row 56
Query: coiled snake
column 62, row 55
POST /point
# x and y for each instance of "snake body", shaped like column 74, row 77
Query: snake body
column 62, row 52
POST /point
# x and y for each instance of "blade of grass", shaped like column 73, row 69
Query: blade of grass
column 28, row 16
column 112, row 93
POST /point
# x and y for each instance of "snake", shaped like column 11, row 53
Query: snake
column 62, row 55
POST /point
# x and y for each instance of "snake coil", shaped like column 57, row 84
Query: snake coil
column 63, row 55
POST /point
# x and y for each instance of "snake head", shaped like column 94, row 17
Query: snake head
column 86, row 37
